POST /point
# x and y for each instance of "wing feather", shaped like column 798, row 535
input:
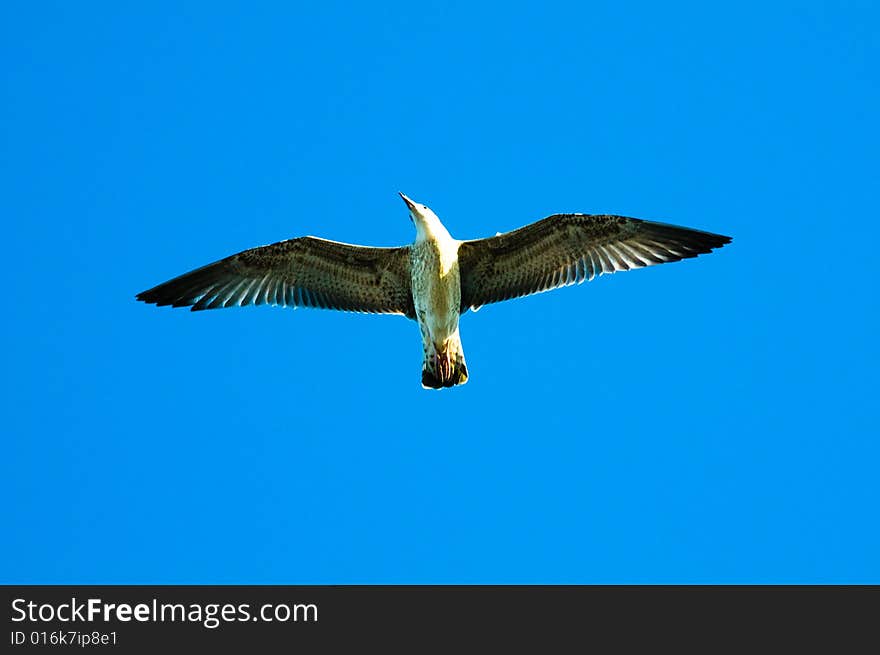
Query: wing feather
column 305, row 272
column 566, row 249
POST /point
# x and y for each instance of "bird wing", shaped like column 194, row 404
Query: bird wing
column 303, row 272
column 567, row 249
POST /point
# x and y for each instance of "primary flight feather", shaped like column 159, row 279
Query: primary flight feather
column 436, row 278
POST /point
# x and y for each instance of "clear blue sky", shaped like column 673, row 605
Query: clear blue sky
column 708, row 421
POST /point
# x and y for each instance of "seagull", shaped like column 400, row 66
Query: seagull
column 437, row 278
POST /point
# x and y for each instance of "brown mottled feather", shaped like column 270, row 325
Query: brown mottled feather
column 567, row 249
column 303, row 272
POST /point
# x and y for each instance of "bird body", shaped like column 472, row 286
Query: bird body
column 436, row 287
column 437, row 278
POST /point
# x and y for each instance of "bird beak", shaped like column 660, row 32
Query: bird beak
column 409, row 203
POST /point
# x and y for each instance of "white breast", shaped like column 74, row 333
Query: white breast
column 436, row 287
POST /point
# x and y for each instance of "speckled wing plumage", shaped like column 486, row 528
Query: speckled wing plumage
column 566, row 249
column 303, row 272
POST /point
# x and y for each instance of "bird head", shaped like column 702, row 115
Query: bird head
column 423, row 218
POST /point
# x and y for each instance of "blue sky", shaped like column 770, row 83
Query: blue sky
column 708, row 421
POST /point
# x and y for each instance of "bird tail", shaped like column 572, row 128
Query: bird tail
column 444, row 364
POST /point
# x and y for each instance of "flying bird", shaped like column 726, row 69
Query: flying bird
column 437, row 278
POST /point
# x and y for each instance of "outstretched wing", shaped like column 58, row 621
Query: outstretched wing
column 304, row 272
column 567, row 249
